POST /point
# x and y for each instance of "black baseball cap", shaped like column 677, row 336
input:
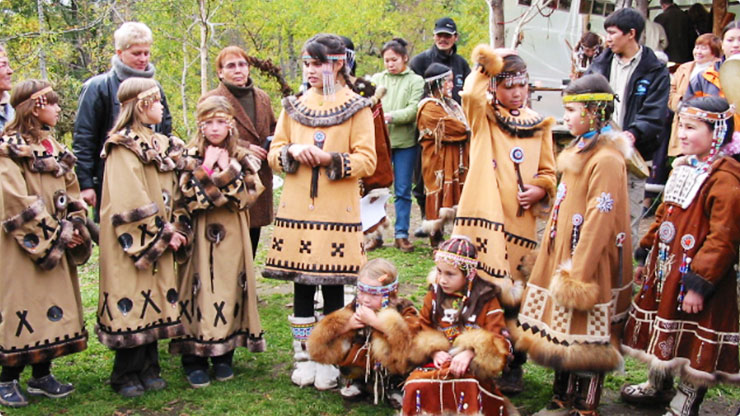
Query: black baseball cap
column 445, row 25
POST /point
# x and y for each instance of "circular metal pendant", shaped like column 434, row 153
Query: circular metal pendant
column 667, row 232
column 577, row 219
column 688, row 241
column 517, row 155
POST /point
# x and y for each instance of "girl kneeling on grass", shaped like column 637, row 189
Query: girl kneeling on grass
column 369, row 338
column 219, row 184
column 684, row 320
column 43, row 240
column 140, row 230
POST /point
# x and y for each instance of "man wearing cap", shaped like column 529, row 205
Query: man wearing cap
column 444, row 51
column 6, row 110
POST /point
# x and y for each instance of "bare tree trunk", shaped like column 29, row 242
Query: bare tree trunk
column 203, row 47
column 183, row 82
column 42, row 54
column 496, row 23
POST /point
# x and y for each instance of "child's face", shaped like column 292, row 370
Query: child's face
column 216, row 130
column 695, row 137
column 576, row 123
column 450, row 278
column 48, row 115
column 513, row 96
column 374, row 302
column 153, row 113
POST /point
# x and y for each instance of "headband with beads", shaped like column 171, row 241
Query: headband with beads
column 587, row 97
column 40, row 97
column 437, row 77
column 215, row 114
column 384, row 291
column 466, row 264
column 719, row 119
column 334, row 57
column 146, row 96
column 512, row 78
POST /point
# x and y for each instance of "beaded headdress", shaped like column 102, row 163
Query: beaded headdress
column 40, row 97
column 513, row 78
column 460, row 252
column 601, row 99
column 327, row 73
column 719, row 119
column 146, row 97
column 385, row 291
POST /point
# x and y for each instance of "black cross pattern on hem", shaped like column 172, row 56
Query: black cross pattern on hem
column 46, row 228
column 277, row 244
column 184, row 310
column 337, row 249
column 305, row 247
column 23, row 323
column 148, row 300
column 145, row 233
column 219, row 313
column 106, row 308
column 482, row 244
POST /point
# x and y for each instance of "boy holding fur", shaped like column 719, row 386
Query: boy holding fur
column 369, row 339
column 463, row 340
column 577, row 296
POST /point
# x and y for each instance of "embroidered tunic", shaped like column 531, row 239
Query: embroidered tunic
column 319, row 240
column 139, row 301
column 432, row 391
column 693, row 244
column 445, row 152
column 488, row 212
column 40, row 305
column 217, row 283
column 576, row 300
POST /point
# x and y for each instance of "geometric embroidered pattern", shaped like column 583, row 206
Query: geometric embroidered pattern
column 478, row 222
column 598, row 322
column 302, row 331
column 317, row 225
column 520, row 241
column 312, row 267
column 561, row 317
column 534, row 304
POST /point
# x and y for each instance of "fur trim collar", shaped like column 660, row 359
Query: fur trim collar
column 58, row 162
column 160, row 150
column 304, row 110
column 522, row 123
column 571, row 160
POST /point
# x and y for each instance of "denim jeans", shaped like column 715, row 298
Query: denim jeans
column 403, row 169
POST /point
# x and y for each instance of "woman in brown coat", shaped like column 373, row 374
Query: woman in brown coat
column 255, row 122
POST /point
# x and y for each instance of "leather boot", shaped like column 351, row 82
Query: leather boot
column 404, row 245
column 657, row 390
column 687, row 400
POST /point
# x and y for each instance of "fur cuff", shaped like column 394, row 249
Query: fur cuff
column 698, row 284
column 487, row 60
column 572, row 293
column 328, row 344
column 339, row 167
column 511, row 293
column 56, row 251
column 425, row 344
column 209, row 187
column 287, row 163
column 157, row 247
column 391, row 347
column 136, row 214
column 490, row 351
column 80, row 254
column 29, row 213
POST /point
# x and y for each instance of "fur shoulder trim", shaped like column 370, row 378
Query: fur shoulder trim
column 391, row 347
column 58, row 163
column 425, row 343
column 327, row 343
column 299, row 112
column 490, row 350
column 573, row 293
column 572, row 161
column 619, row 141
column 162, row 151
column 487, row 60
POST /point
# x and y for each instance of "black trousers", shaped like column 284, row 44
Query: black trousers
column 418, row 190
column 135, row 364
column 254, row 237
column 194, row 362
column 303, row 299
column 14, row 373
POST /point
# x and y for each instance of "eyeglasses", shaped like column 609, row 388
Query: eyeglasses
column 234, row 65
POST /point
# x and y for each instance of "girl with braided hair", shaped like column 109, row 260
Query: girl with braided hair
column 463, row 340
column 575, row 302
column 324, row 142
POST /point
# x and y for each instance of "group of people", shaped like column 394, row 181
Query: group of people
column 179, row 224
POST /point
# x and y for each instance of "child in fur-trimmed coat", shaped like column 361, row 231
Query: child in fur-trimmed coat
column 369, row 339
column 463, row 336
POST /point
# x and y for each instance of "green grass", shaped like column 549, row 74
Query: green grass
column 262, row 383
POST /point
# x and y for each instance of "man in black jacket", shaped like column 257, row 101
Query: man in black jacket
column 677, row 25
column 642, row 84
column 444, row 51
column 98, row 106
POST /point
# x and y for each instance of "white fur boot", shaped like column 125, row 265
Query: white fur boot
column 304, row 370
column 327, row 376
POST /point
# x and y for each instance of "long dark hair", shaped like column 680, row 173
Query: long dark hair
column 324, row 44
